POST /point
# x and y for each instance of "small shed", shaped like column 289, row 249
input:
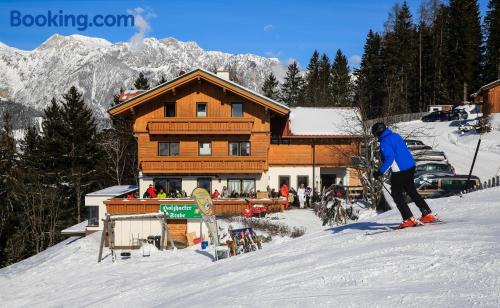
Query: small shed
column 96, row 209
column 440, row 108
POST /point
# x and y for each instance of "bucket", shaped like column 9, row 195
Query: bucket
column 204, row 244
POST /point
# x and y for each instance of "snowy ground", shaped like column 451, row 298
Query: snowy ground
column 455, row 264
column 460, row 148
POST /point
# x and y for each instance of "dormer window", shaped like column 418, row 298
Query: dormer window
column 236, row 109
column 169, row 110
column 201, row 110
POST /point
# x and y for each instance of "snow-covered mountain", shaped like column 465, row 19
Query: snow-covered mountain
column 100, row 68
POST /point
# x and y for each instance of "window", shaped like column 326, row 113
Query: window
column 239, row 148
column 284, row 179
column 302, row 179
column 205, row 183
column 201, row 109
column 237, row 110
column 93, row 216
column 241, row 187
column 205, row 148
column 171, row 186
column 168, row 148
column 169, row 110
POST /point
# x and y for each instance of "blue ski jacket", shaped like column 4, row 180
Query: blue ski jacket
column 394, row 153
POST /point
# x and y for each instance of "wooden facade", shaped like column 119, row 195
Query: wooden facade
column 489, row 95
column 152, row 127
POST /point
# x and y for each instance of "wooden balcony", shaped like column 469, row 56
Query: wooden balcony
column 223, row 207
column 200, row 126
column 200, row 165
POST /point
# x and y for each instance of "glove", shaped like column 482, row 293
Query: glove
column 377, row 175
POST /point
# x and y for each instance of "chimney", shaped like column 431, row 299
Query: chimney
column 223, row 74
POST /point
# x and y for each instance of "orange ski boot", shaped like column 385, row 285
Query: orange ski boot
column 429, row 218
column 410, row 222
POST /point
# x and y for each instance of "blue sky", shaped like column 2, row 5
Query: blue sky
column 282, row 29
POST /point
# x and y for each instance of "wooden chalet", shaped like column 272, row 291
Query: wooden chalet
column 203, row 130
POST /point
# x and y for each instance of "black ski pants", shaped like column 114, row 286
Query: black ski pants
column 402, row 181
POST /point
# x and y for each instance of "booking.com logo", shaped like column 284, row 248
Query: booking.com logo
column 59, row 19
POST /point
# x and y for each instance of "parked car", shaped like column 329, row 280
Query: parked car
column 437, row 185
column 465, row 128
column 434, row 167
column 435, row 116
column 414, row 148
column 429, row 155
column 457, row 114
column 412, row 142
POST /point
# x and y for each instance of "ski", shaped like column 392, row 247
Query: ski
column 396, row 227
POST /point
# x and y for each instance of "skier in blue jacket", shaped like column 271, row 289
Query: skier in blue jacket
column 395, row 155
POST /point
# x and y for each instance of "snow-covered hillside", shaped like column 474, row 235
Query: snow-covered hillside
column 456, row 264
column 459, row 148
column 100, row 68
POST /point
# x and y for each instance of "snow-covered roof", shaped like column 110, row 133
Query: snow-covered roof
column 76, row 229
column 313, row 121
column 112, row 191
column 486, row 86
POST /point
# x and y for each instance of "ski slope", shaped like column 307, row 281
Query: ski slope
column 454, row 264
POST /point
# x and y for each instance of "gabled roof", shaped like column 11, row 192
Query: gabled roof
column 193, row 75
column 486, row 87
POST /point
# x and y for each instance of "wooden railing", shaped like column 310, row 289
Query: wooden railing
column 223, row 207
column 196, row 126
column 205, row 165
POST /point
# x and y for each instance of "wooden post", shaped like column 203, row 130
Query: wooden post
column 103, row 236
column 168, row 234
column 498, row 180
column 111, row 239
column 163, row 231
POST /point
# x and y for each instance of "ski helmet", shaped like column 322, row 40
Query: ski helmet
column 378, row 128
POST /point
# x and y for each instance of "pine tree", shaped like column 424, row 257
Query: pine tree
column 270, row 87
column 8, row 182
column 369, row 88
column 312, row 79
column 440, row 54
column 492, row 38
column 325, row 80
column 80, row 151
column 463, row 63
column 341, row 84
column 400, row 60
column 141, row 83
column 292, row 87
column 52, row 141
column 69, row 142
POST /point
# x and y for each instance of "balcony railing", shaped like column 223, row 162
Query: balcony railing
column 197, row 126
column 206, row 165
